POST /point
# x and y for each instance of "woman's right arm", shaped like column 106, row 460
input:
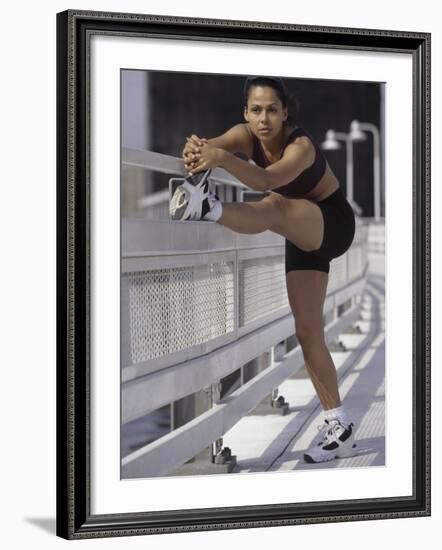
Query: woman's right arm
column 235, row 140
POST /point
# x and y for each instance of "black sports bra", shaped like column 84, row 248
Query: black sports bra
column 307, row 179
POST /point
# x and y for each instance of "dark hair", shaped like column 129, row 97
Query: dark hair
column 276, row 84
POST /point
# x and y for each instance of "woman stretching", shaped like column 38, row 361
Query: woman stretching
column 304, row 204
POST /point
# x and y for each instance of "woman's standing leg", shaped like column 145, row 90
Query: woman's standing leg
column 306, row 291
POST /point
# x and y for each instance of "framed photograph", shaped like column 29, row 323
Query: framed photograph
column 243, row 253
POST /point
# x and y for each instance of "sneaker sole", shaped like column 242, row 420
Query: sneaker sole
column 348, row 454
column 199, row 182
column 184, row 211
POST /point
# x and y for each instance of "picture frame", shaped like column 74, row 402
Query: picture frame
column 76, row 518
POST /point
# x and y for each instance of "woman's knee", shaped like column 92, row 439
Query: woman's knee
column 278, row 207
column 309, row 332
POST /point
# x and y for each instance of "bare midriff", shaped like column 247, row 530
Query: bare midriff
column 327, row 185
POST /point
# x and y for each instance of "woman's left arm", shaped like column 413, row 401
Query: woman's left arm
column 296, row 158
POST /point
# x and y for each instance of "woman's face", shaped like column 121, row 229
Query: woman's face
column 264, row 112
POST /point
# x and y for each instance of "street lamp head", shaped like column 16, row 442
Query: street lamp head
column 356, row 134
column 330, row 143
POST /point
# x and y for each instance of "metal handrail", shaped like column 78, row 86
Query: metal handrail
column 173, row 166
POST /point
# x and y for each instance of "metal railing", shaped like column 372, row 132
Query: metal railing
column 174, row 166
column 198, row 302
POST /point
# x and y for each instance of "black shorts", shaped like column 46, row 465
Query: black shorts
column 339, row 231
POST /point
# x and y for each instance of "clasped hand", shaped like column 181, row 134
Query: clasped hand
column 199, row 155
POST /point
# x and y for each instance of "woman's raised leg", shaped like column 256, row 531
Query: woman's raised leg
column 298, row 220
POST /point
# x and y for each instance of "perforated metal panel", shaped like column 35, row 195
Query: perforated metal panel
column 174, row 309
column 338, row 272
column 262, row 287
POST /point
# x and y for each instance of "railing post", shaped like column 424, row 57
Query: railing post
column 206, row 461
column 187, row 409
column 291, row 343
column 273, row 402
column 257, row 365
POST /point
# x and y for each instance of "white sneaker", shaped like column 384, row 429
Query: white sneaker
column 188, row 200
column 338, row 442
column 211, row 209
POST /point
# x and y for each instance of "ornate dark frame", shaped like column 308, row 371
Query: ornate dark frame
column 74, row 519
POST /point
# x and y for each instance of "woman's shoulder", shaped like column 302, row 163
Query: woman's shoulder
column 298, row 132
column 243, row 129
column 298, row 142
column 245, row 138
column 297, row 135
column 295, row 132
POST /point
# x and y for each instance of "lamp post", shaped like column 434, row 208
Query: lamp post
column 331, row 143
column 357, row 130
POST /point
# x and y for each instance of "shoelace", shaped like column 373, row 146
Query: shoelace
column 328, row 430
